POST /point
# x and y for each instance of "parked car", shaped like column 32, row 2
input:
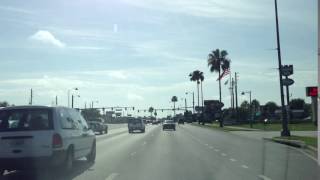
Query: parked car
column 41, row 137
column 136, row 124
column 169, row 124
column 97, row 127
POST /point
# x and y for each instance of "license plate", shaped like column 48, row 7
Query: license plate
column 17, row 142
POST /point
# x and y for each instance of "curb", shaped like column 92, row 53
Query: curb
column 294, row 143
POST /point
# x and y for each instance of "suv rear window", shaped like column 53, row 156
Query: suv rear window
column 25, row 120
column 135, row 121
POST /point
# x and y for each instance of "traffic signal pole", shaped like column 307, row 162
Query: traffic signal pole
column 285, row 130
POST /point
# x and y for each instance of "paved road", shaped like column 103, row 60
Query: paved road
column 189, row 153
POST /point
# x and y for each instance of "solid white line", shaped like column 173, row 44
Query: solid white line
column 112, row 176
column 223, row 154
column 263, row 177
column 233, row 160
column 245, row 167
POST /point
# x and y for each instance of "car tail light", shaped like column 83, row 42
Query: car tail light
column 56, row 141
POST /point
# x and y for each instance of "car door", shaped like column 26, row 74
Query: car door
column 89, row 135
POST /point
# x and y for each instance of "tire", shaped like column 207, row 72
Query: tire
column 143, row 130
column 1, row 172
column 92, row 156
column 68, row 162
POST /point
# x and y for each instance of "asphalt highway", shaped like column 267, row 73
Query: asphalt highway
column 189, row 153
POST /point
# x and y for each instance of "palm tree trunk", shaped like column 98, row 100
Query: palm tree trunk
column 202, row 96
column 198, row 102
column 174, row 109
column 220, row 117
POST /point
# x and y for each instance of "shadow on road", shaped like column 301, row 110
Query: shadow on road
column 80, row 167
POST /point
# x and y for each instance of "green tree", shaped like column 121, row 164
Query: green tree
column 270, row 107
column 4, row 104
column 151, row 109
column 198, row 77
column 174, row 99
column 218, row 63
column 255, row 105
column 297, row 103
column 90, row 114
column 245, row 105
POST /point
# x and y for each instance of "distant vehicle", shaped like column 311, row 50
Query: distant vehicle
column 181, row 121
column 169, row 124
column 98, row 127
column 136, row 124
column 41, row 137
column 155, row 122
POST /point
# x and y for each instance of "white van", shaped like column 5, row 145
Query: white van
column 33, row 137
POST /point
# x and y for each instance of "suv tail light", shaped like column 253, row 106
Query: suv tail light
column 56, row 141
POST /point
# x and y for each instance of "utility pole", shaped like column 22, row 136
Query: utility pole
column 288, row 102
column 72, row 97
column 236, row 91
column 56, row 100
column 285, row 130
column 31, row 96
column 185, row 104
column 193, row 102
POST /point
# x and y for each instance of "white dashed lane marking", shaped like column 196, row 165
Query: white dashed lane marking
column 112, row 176
column 233, row 160
column 264, row 177
column 216, row 150
column 211, row 147
column 223, row 154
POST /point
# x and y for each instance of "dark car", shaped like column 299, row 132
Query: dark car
column 169, row 124
column 181, row 121
column 97, row 127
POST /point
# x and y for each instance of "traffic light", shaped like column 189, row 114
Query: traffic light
column 132, row 108
column 138, row 111
column 125, row 108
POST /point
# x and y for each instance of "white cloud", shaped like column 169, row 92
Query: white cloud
column 134, row 97
column 47, row 37
column 16, row 10
column 210, row 9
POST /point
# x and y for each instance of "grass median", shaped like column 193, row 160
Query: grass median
column 278, row 126
column 310, row 141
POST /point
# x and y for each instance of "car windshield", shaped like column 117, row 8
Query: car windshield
column 159, row 89
column 25, row 120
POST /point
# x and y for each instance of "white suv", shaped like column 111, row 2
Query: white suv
column 32, row 137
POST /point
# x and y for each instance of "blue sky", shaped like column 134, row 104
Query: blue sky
column 139, row 53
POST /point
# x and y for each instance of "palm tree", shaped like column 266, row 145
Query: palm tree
column 174, row 99
column 201, row 80
column 198, row 77
column 151, row 109
column 218, row 62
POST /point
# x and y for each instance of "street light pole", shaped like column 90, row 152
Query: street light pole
column 285, row 130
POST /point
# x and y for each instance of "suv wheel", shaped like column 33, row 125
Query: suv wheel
column 92, row 156
column 68, row 163
column 143, row 130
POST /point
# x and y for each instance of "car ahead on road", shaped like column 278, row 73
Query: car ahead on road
column 169, row 124
column 181, row 121
column 41, row 138
column 136, row 124
column 98, row 127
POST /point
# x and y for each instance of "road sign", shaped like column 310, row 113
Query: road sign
column 287, row 82
column 287, row 70
column 312, row 91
